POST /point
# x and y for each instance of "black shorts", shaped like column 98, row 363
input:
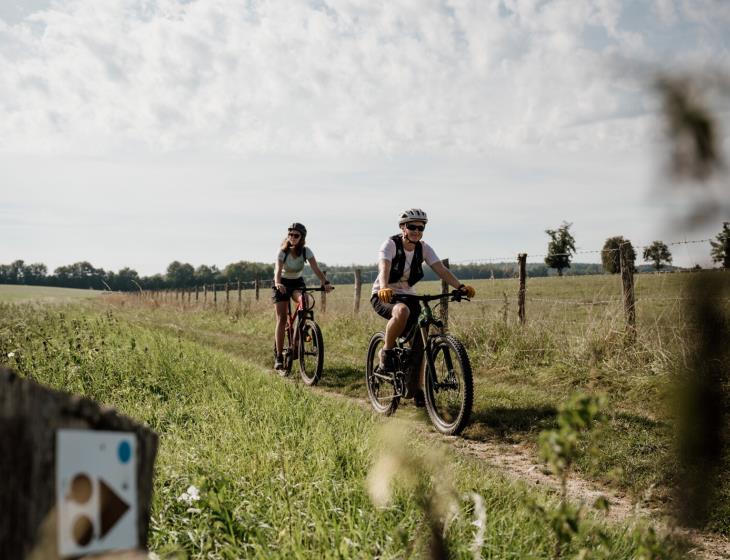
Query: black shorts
column 385, row 310
column 290, row 284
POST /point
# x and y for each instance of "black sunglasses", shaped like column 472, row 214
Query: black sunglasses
column 295, row 234
column 411, row 227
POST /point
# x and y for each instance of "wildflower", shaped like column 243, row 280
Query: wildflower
column 11, row 354
column 192, row 494
column 153, row 556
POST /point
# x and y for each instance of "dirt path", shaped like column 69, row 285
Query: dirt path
column 519, row 462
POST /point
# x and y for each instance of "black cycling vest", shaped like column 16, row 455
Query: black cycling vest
column 398, row 265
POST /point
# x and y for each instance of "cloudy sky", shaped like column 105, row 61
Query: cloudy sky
column 138, row 132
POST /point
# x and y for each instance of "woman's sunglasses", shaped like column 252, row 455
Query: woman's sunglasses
column 411, row 227
column 295, row 234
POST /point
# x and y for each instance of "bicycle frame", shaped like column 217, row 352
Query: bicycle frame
column 423, row 325
column 295, row 320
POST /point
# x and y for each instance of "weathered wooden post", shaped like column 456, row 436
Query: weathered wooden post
column 324, row 296
column 445, row 299
column 196, row 294
column 75, row 478
column 256, row 287
column 215, row 295
column 239, row 293
column 627, row 281
column 205, row 295
column 358, row 288
column 228, row 299
column 522, row 260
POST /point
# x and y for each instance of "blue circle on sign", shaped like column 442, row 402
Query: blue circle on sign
column 124, row 451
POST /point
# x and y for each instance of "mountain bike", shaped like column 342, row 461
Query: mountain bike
column 303, row 339
column 448, row 387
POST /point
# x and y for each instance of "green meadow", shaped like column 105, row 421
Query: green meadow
column 282, row 469
column 21, row 293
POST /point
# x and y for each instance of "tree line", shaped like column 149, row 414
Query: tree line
column 560, row 253
column 84, row 275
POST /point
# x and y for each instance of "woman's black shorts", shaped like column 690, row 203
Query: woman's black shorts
column 385, row 310
column 290, row 284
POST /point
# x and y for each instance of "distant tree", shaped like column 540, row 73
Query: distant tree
column 15, row 272
column 658, row 253
column 180, row 274
column 610, row 257
column 35, row 273
column 124, row 280
column 721, row 247
column 241, row 270
column 205, row 274
column 155, row 282
column 80, row 274
column 561, row 247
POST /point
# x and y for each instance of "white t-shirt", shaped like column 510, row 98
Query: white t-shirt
column 293, row 266
column 387, row 252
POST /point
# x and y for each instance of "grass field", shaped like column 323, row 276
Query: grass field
column 18, row 293
column 573, row 340
column 282, row 468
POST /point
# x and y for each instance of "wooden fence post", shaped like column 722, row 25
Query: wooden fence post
column 627, row 281
column 256, row 287
column 31, row 419
column 522, row 260
column 205, row 295
column 324, row 295
column 358, row 288
column 196, row 294
column 215, row 295
column 445, row 300
column 228, row 289
column 239, row 293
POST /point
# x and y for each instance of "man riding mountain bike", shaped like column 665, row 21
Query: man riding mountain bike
column 399, row 268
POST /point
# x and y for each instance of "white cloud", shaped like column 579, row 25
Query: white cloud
column 174, row 123
column 331, row 77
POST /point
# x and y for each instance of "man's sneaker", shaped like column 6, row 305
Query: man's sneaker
column 419, row 398
column 387, row 360
column 279, row 362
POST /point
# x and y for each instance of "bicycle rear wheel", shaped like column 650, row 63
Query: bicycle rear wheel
column 311, row 352
column 449, row 389
column 381, row 390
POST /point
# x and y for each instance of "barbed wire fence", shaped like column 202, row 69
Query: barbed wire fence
column 224, row 295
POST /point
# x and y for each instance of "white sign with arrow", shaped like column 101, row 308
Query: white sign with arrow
column 96, row 491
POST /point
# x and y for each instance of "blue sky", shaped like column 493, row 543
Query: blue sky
column 138, row 132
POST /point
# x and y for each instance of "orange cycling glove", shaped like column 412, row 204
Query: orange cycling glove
column 468, row 291
column 385, row 295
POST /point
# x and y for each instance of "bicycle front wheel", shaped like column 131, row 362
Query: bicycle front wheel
column 311, row 352
column 381, row 389
column 449, row 387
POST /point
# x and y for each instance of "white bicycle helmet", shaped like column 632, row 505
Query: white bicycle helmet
column 412, row 215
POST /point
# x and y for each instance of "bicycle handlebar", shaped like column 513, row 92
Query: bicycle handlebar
column 306, row 289
column 454, row 295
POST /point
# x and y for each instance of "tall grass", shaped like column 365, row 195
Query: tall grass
column 573, row 340
column 280, row 469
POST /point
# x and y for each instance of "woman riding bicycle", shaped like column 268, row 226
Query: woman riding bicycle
column 399, row 268
column 288, row 279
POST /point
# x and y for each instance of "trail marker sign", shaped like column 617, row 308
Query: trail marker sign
column 96, row 491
